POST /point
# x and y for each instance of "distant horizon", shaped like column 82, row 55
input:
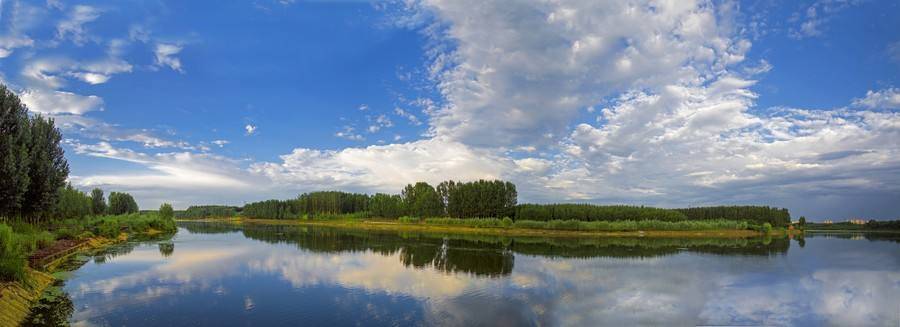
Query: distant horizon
column 791, row 105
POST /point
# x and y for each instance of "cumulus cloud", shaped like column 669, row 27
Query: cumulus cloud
column 249, row 129
column 384, row 168
column 881, row 99
column 166, row 56
column 518, row 72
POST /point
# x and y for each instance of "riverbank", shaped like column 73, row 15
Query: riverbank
column 44, row 248
column 385, row 225
column 18, row 297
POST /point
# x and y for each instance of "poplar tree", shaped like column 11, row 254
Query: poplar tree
column 14, row 157
column 47, row 169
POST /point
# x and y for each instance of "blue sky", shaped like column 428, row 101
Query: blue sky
column 791, row 104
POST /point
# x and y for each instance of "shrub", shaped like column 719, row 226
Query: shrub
column 766, row 228
column 107, row 228
column 408, row 220
column 507, row 222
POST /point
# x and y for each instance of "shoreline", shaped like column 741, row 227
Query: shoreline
column 18, row 298
column 380, row 225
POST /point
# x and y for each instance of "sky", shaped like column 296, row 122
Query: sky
column 792, row 104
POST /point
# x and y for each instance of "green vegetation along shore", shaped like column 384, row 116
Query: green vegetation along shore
column 427, row 225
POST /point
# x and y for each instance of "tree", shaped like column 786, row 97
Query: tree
column 47, row 169
column 121, row 203
column 72, row 204
column 14, row 157
column 166, row 211
column 98, row 203
column 422, row 200
column 802, row 221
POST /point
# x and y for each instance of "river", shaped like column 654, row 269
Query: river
column 216, row 274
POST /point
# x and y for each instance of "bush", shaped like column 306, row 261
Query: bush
column 766, row 228
column 507, row 222
column 408, row 220
column 107, row 228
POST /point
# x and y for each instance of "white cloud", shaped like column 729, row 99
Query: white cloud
column 73, row 26
column 220, row 143
column 348, row 132
column 173, row 171
column 881, row 99
column 816, row 16
column 363, row 107
column 522, row 70
column 59, row 102
column 165, row 56
column 9, row 43
column 382, row 121
column 384, row 168
column 51, row 73
column 250, row 129
column 409, row 116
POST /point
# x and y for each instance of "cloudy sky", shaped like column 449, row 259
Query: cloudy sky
column 669, row 103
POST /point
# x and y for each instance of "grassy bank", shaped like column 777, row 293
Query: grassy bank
column 490, row 227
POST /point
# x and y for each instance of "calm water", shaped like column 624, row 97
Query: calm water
column 222, row 275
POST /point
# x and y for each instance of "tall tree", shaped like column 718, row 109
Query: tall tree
column 14, row 157
column 48, row 168
column 98, row 203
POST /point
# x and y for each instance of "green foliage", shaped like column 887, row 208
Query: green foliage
column 166, row 211
column 271, row 209
column 32, row 162
column 766, row 227
column 408, row 220
column 208, row 211
column 98, row 202
column 758, row 214
column 329, row 202
column 386, row 206
column 47, row 170
column 883, row 225
column 480, row 198
column 590, row 212
column 507, row 222
column 14, row 156
column 468, row 222
column 72, row 204
column 422, row 200
column 122, row 203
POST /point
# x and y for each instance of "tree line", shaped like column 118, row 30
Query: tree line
column 758, row 214
column 490, row 198
column 208, row 211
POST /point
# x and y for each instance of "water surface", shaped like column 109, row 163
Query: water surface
column 226, row 275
